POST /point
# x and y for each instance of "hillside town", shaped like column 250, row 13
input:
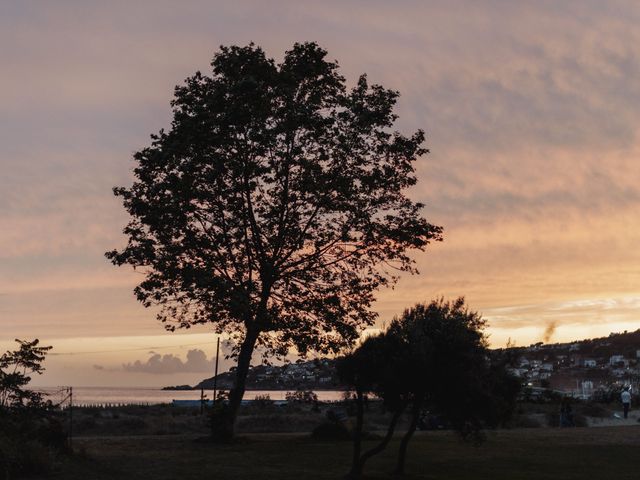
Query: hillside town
column 317, row 374
column 587, row 369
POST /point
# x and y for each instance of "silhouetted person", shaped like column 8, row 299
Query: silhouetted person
column 566, row 414
column 625, row 396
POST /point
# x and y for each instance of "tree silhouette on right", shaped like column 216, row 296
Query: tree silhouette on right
column 434, row 358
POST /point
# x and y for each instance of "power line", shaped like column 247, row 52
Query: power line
column 133, row 349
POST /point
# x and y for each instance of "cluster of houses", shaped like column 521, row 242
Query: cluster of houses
column 316, row 374
column 582, row 369
column 319, row 373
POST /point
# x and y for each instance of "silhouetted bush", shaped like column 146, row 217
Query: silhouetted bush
column 301, row 396
column 262, row 402
column 31, row 435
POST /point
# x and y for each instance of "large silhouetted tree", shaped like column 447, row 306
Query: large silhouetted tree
column 274, row 207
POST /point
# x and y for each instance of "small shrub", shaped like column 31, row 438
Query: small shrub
column 301, row 396
column 262, row 402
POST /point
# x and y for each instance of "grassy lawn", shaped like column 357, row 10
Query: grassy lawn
column 593, row 453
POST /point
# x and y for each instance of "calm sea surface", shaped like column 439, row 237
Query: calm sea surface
column 122, row 395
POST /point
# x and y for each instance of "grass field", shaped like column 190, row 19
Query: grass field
column 522, row 454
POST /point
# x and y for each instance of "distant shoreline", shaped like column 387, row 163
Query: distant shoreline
column 181, row 388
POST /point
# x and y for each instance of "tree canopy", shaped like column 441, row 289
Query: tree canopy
column 31, row 432
column 16, row 368
column 434, row 357
column 275, row 206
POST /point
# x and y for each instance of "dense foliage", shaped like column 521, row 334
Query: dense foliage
column 433, row 359
column 275, row 206
column 16, row 368
column 30, row 432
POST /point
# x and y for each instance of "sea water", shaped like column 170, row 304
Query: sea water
column 151, row 396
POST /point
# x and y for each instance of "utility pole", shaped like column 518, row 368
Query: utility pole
column 71, row 418
column 215, row 375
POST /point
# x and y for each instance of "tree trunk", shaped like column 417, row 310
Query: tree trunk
column 358, row 466
column 404, row 443
column 357, row 432
column 224, row 430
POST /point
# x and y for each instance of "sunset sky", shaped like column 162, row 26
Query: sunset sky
column 532, row 117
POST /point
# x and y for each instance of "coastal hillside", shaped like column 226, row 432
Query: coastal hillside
column 584, row 368
column 580, row 366
column 317, row 374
